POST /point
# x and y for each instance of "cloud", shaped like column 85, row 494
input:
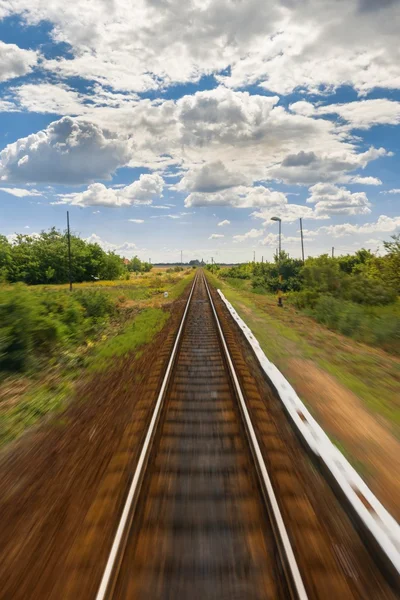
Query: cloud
column 141, row 191
column 364, row 180
column 239, row 197
column 125, row 248
column 283, row 46
column 301, row 159
column 165, row 217
column 216, row 236
column 49, row 98
column 272, row 239
column 330, row 199
column 224, row 223
column 67, row 151
column 210, row 177
column 311, row 38
column 288, row 213
column 310, row 168
column 20, row 192
column 393, row 191
column 15, row 62
column 253, row 233
column 136, row 220
column 258, row 140
column 364, row 114
column 383, row 224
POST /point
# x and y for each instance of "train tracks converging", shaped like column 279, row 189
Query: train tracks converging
column 206, row 522
column 201, row 519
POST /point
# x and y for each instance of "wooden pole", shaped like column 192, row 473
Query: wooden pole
column 69, row 254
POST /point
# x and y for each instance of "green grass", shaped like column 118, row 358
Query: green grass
column 51, row 385
column 34, row 406
column 373, row 375
column 136, row 334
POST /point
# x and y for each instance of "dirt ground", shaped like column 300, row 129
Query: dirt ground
column 338, row 410
column 52, row 479
column 365, row 431
column 64, row 483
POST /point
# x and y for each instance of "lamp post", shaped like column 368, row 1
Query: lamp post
column 279, row 260
column 302, row 239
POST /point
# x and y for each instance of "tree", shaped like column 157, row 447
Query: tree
column 135, row 265
column 44, row 259
column 5, row 257
column 391, row 270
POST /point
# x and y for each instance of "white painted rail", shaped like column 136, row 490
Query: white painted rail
column 379, row 523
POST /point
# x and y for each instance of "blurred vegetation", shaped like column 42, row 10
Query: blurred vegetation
column 355, row 294
column 49, row 337
column 43, row 258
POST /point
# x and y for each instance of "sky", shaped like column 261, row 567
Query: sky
column 165, row 126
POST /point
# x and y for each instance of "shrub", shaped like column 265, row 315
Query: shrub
column 327, row 311
column 96, row 303
column 304, row 299
column 19, row 318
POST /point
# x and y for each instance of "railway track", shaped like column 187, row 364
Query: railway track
column 206, row 521
column 201, row 520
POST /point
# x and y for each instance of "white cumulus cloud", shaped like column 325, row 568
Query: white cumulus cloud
column 20, row 192
column 383, row 224
column 15, row 62
column 141, row 191
column 67, row 151
column 330, row 199
column 253, row 233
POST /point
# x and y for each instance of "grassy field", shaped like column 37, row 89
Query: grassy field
column 371, row 374
column 352, row 389
column 135, row 314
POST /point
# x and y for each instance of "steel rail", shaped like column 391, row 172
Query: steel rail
column 126, row 513
column 290, row 560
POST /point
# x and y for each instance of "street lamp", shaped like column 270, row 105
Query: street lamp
column 279, row 259
column 302, row 239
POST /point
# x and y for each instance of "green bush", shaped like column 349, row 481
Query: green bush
column 327, row 311
column 19, row 318
column 96, row 303
column 34, row 323
column 304, row 299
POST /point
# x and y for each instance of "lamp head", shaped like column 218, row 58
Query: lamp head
column 275, row 219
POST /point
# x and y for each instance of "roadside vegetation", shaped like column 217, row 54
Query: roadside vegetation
column 352, row 389
column 43, row 259
column 356, row 295
column 50, row 337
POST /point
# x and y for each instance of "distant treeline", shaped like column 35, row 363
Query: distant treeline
column 41, row 259
column 356, row 294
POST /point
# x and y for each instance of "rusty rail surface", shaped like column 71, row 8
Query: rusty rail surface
column 201, row 520
column 206, row 521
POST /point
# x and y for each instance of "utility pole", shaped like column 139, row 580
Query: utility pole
column 69, row 254
column 333, row 252
column 262, row 260
column 254, row 256
column 279, row 220
column 181, row 258
column 302, row 240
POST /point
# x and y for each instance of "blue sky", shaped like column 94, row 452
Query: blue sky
column 165, row 126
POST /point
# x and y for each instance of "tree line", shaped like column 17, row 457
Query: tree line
column 43, row 259
column 355, row 294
